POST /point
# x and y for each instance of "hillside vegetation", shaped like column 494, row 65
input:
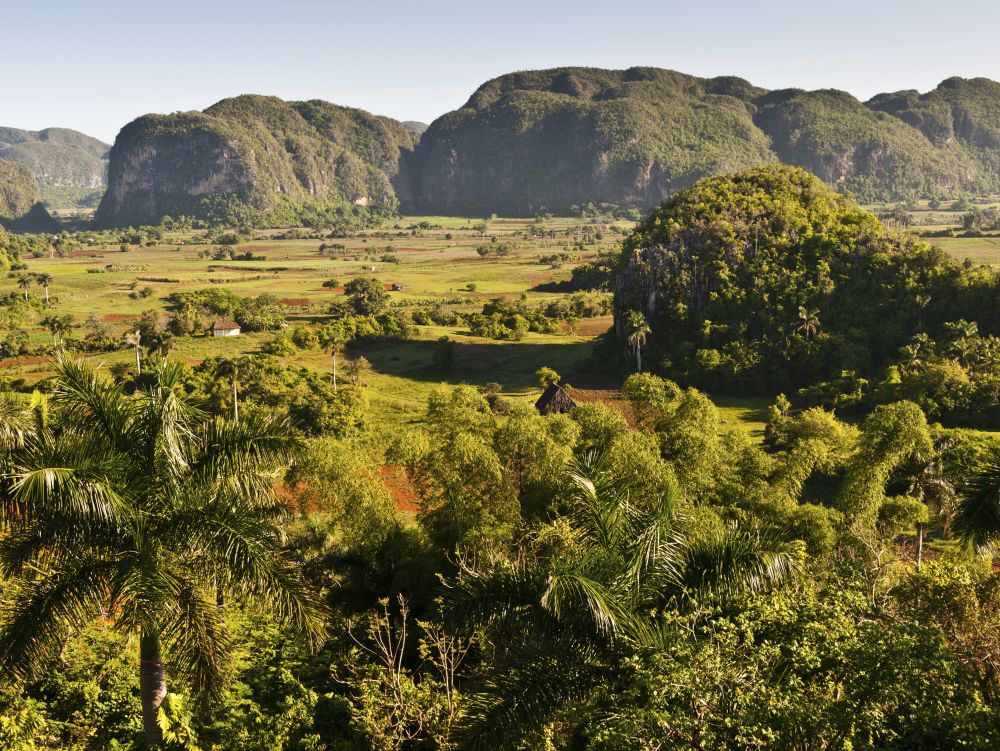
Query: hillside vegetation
column 20, row 200
column 251, row 154
column 768, row 280
column 58, row 157
column 548, row 140
column 566, row 136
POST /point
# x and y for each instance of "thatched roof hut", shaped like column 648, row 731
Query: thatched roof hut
column 554, row 400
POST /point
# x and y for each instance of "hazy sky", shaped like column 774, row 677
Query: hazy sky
column 94, row 66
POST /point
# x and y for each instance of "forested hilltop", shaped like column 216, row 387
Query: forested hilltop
column 251, row 154
column 20, row 199
column 71, row 168
column 548, row 140
column 553, row 138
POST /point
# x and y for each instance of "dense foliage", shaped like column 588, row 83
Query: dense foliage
column 767, row 280
column 568, row 582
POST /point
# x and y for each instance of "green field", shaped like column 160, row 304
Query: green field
column 985, row 250
column 436, row 263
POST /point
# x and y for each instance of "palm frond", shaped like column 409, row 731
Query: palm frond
column 523, row 693
column 573, row 596
column 738, row 561
column 45, row 489
column 656, row 545
column 244, row 546
column 38, row 613
column 502, row 597
column 242, row 454
column 198, row 642
column 977, row 519
column 16, row 425
column 89, row 399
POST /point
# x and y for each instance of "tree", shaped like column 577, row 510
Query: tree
column 977, row 521
column 24, row 282
column 567, row 619
column 638, row 331
column 99, row 330
column 808, row 322
column 138, row 509
column 58, row 326
column 134, row 339
column 366, row 296
column 228, row 368
column 44, row 280
column 357, row 369
column 335, row 341
column 547, row 377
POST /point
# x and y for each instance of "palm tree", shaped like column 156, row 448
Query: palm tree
column 57, row 326
column 928, row 483
column 24, row 282
column 135, row 509
column 44, row 280
column 228, row 368
column 565, row 620
column 134, row 339
column 977, row 520
column 809, row 322
column 638, row 331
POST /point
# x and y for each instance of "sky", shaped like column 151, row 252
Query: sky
column 94, row 66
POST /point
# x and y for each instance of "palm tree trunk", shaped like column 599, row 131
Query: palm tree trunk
column 138, row 367
column 236, row 405
column 152, row 686
column 920, row 544
column 46, row 294
column 335, row 372
column 638, row 358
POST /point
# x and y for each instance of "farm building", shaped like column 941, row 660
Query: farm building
column 554, row 401
column 224, row 328
column 398, row 287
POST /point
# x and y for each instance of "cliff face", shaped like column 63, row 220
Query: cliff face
column 551, row 139
column 58, row 157
column 258, row 151
column 20, row 201
column 164, row 164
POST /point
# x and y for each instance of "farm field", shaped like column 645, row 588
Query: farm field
column 433, row 259
column 984, row 250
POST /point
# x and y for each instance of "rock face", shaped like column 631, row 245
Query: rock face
column 58, row 157
column 550, row 139
column 20, row 201
column 256, row 151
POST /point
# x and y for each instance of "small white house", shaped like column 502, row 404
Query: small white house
column 224, row 328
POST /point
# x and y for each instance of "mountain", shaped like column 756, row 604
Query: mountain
column 58, row 157
column 547, row 140
column 554, row 138
column 416, row 127
column 254, row 154
column 20, row 201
